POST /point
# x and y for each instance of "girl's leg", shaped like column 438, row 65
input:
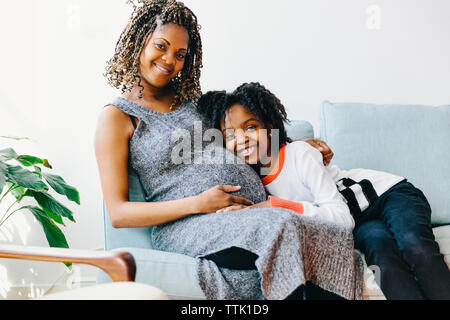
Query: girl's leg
column 380, row 249
column 407, row 214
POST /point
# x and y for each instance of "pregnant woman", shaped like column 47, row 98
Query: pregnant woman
column 264, row 253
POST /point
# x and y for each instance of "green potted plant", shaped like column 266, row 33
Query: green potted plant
column 26, row 176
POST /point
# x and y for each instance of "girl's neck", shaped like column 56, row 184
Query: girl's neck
column 271, row 160
column 267, row 163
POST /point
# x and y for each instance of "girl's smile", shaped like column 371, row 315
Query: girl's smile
column 247, row 151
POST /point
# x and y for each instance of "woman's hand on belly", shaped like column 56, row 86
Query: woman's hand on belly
column 219, row 197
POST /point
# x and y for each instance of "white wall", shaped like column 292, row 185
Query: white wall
column 53, row 54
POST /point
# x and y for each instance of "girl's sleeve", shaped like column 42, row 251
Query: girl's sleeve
column 328, row 202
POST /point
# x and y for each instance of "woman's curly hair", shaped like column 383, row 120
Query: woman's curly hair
column 255, row 98
column 122, row 69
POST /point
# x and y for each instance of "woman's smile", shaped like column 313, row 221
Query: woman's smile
column 164, row 70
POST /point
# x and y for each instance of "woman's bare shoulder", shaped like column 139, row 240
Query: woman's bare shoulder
column 112, row 118
column 112, row 113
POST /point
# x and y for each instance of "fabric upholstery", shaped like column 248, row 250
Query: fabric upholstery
column 406, row 140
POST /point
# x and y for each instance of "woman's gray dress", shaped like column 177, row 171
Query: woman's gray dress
column 175, row 156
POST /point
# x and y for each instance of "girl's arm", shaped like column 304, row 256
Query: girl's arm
column 328, row 203
column 114, row 129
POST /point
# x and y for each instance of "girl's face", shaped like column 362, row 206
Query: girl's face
column 163, row 55
column 244, row 134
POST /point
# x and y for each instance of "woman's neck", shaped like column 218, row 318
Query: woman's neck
column 146, row 91
column 147, row 95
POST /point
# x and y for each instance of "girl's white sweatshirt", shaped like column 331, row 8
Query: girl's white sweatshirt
column 299, row 181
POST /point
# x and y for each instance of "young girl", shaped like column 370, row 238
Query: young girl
column 297, row 180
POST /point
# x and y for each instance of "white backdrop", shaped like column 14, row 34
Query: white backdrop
column 53, row 54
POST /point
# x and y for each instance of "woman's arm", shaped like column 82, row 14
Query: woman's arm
column 322, row 146
column 114, row 129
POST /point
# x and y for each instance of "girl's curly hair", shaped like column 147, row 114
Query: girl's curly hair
column 211, row 104
column 122, row 69
column 255, row 98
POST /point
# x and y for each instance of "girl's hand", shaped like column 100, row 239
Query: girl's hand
column 232, row 208
column 218, row 197
column 264, row 204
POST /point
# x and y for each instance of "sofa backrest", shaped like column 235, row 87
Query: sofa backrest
column 141, row 237
column 408, row 140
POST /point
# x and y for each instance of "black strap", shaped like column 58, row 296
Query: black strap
column 366, row 186
column 347, row 182
column 368, row 190
column 352, row 203
column 133, row 121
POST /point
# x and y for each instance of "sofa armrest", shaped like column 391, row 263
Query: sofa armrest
column 119, row 265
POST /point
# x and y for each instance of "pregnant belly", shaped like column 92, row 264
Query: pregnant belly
column 187, row 180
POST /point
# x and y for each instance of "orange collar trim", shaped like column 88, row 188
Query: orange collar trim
column 277, row 169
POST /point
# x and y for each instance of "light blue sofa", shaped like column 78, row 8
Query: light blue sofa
column 408, row 140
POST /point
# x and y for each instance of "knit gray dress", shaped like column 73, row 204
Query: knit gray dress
column 175, row 157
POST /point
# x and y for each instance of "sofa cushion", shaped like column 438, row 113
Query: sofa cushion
column 299, row 129
column 407, row 140
column 442, row 235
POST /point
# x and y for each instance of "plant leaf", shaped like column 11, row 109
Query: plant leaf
column 25, row 178
column 30, row 159
column 14, row 138
column 37, row 171
column 25, row 163
column 3, row 175
column 18, row 192
column 60, row 186
column 27, row 160
column 55, row 218
column 47, row 164
column 51, row 206
column 54, row 235
column 8, row 153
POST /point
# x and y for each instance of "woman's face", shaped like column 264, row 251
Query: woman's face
column 244, row 135
column 163, row 55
